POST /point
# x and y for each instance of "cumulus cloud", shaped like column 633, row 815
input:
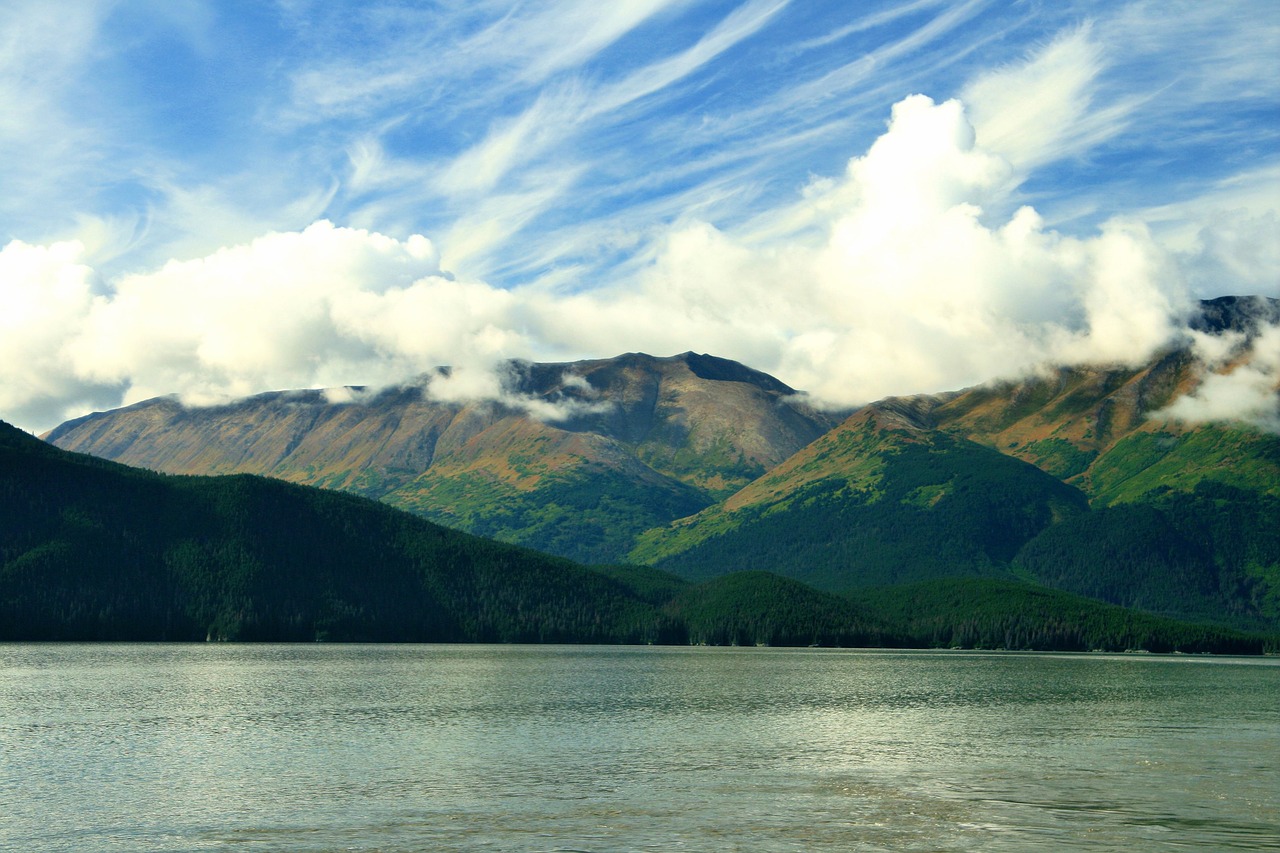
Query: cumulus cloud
column 245, row 318
column 45, row 296
column 912, row 288
column 912, row 284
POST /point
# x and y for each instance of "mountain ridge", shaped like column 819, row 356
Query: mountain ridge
column 676, row 461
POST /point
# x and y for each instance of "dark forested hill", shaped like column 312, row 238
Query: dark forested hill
column 94, row 550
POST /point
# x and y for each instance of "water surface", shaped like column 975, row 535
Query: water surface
column 510, row 748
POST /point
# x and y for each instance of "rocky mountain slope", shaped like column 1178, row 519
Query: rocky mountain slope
column 577, row 460
column 1102, row 428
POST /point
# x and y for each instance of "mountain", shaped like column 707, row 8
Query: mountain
column 93, row 550
column 579, row 458
column 1099, row 427
column 1071, row 480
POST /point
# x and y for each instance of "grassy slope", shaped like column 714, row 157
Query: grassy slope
column 577, row 495
column 1100, row 429
column 876, row 501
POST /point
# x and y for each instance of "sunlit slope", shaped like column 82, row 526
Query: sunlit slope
column 576, row 494
column 1105, row 430
column 575, row 459
column 877, row 500
column 1101, row 430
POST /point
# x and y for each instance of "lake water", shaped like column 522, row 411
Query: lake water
column 486, row 748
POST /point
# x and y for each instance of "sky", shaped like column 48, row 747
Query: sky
column 214, row 199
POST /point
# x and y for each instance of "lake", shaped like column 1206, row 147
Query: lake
column 524, row 748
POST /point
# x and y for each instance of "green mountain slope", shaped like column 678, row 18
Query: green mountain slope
column 1209, row 554
column 875, row 501
column 1101, row 428
column 577, row 495
column 1073, row 480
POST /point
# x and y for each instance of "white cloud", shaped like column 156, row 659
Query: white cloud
column 740, row 24
column 555, row 37
column 1246, row 389
column 266, row 314
column 911, row 289
column 45, row 295
column 1038, row 110
column 1229, row 236
column 513, row 142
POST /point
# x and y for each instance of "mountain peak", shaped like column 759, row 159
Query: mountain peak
column 1236, row 314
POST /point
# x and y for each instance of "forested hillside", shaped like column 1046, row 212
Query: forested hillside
column 876, row 501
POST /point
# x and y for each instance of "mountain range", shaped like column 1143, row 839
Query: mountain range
column 94, row 550
column 1070, row 479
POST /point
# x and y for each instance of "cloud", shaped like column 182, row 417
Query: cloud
column 552, row 38
column 1228, row 235
column 500, row 383
column 267, row 314
column 911, row 288
column 1241, row 382
column 45, row 295
column 911, row 282
column 1038, row 110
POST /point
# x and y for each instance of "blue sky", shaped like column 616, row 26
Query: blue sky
column 218, row 198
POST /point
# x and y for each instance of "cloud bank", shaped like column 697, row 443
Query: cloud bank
column 910, row 280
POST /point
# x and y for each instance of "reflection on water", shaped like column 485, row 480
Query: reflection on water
column 400, row 748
